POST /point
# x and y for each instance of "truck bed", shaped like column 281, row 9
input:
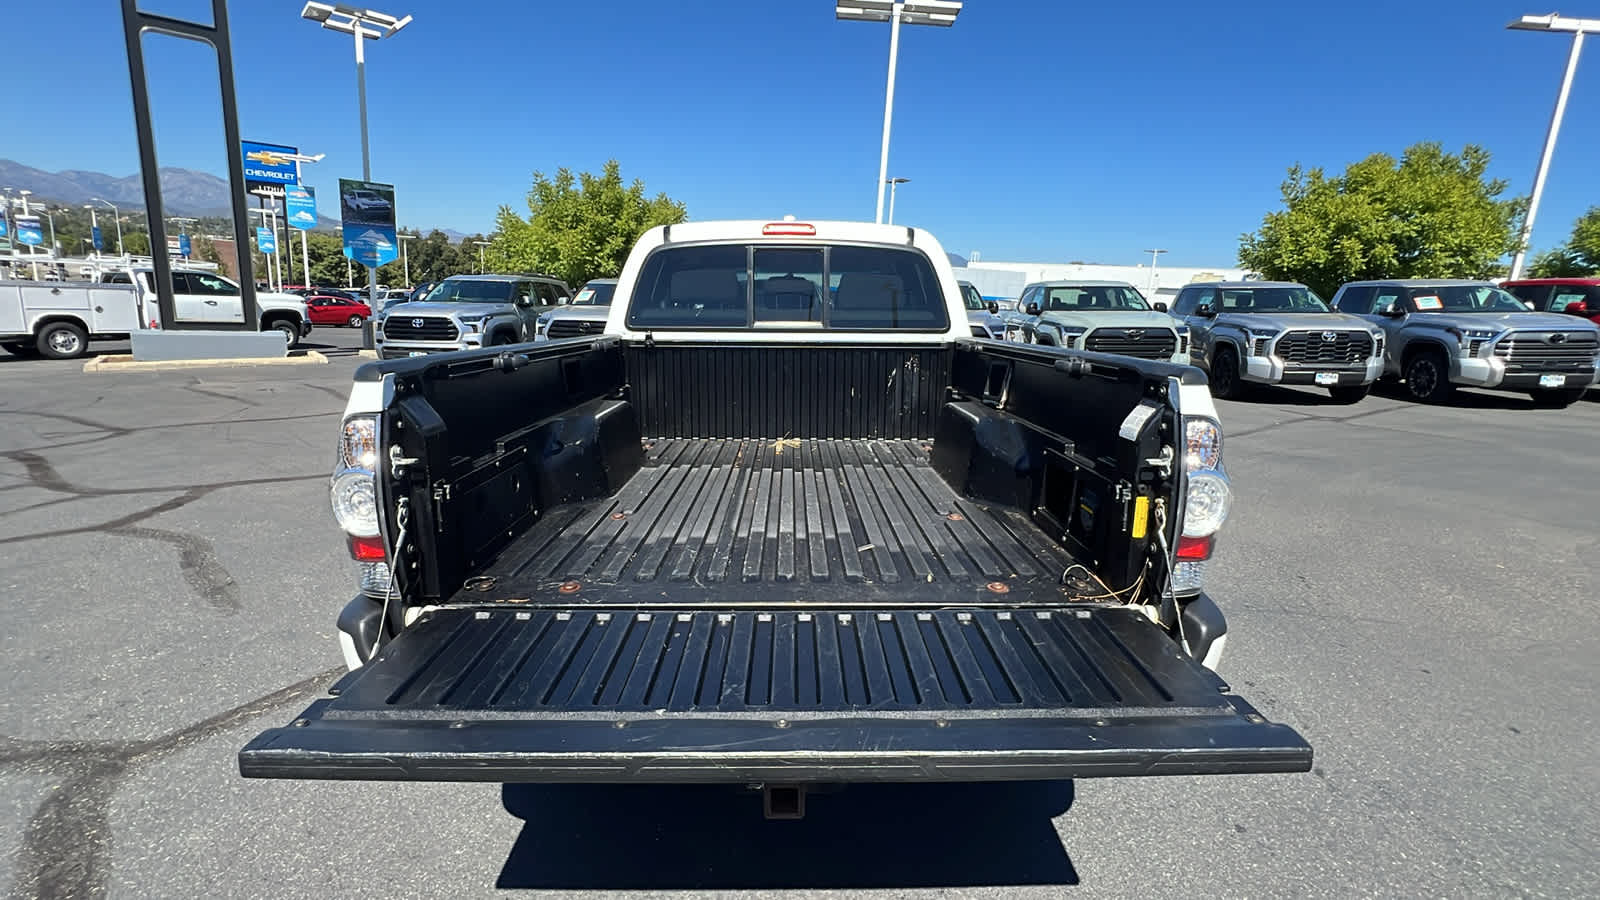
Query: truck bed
column 768, row 521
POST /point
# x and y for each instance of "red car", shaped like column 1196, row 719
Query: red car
column 326, row 309
column 1575, row 296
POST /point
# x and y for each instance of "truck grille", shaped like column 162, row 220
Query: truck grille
column 568, row 328
column 1543, row 351
column 1317, row 347
column 419, row 328
column 1142, row 343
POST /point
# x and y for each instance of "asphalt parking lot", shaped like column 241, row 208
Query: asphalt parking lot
column 1413, row 588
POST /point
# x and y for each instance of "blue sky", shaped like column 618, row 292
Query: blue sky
column 1034, row 129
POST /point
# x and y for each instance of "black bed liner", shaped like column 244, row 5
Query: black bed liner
column 780, row 695
column 730, row 517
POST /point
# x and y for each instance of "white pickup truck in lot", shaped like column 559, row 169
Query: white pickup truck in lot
column 203, row 296
column 785, row 523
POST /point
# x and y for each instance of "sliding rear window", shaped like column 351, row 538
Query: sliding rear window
column 766, row 287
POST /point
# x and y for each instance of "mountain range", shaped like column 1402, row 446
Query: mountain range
column 185, row 192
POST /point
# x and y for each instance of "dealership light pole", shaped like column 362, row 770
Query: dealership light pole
column 364, row 25
column 182, row 220
column 405, row 261
column 481, row 245
column 896, row 13
column 1577, row 28
column 116, row 215
column 1155, row 254
column 894, row 183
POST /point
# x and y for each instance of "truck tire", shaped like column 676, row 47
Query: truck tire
column 355, row 321
column 20, row 348
column 1557, row 399
column 1225, row 383
column 1428, row 377
column 1350, row 393
column 291, row 332
column 62, row 340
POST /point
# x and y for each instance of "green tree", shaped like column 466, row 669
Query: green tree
column 136, row 243
column 1579, row 257
column 1431, row 214
column 578, row 227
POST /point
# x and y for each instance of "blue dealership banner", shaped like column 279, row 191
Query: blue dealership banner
column 28, row 231
column 268, row 165
column 366, row 212
column 265, row 242
column 5, row 227
column 184, row 246
column 94, row 237
column 300, row 206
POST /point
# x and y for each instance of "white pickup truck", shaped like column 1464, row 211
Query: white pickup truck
column 202, row 296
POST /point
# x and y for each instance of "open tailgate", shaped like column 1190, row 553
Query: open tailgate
column 786, row 697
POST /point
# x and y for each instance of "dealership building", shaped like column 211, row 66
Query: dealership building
column 1005, row 280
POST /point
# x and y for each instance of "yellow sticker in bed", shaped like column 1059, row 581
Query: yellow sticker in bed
column 1141, row 517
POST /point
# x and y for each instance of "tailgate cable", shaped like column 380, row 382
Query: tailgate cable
column 402, row 518
column 1166, row 555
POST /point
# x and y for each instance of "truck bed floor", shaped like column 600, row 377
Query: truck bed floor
column 767, row 521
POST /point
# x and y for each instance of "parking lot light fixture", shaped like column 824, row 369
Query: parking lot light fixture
column 405, row 260
column 894, row 183
column 116, row 214
column 363, row 25
column 481, row 245
column 1155, row 254
column 896, row 13
column 1577, row 28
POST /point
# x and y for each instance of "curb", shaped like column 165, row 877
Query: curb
column 124, row 362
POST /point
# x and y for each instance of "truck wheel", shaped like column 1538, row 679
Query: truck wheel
column 291, row 332
column 1428, row 377
column 1225, row 384
column 62, row 340
column 1349, row 394
column 20, row 348
column 1557, row 399
column 355, row 321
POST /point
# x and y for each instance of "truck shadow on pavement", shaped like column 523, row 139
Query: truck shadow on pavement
column 638, row 837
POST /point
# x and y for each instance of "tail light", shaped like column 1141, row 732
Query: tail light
column 1207, row 500
column 353, row 492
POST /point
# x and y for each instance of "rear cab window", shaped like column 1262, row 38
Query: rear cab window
column 835, row 287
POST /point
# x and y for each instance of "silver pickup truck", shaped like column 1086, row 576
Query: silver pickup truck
column 585, row 315
column 1274, row 332
column 1102, row 316
column 1471, row 333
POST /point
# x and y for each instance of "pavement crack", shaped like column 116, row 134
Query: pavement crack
column 66, row 848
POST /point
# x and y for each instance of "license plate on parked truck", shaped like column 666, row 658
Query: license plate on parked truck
column 1327, row 378
column 1552, row 381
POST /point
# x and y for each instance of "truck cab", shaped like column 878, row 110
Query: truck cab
column 786, row 522
column 201, row 295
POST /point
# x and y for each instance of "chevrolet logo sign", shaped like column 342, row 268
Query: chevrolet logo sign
column 268, row 158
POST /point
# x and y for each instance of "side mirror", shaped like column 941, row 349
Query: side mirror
column 1391, row 310
column 1158, row 306
column 1033, row 309
column 1576, row 308
column 1205, row 311
column 995, row 307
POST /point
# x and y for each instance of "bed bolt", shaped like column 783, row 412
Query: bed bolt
column 998, row 587
column 618, row 516
column 569, row 587
column 620, row 723
column 458, row 724
column 956, row 517
column 782, row 723
column 301, row 723
column 941, row 723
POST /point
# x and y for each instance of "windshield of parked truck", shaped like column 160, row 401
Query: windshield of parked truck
column 595, row 295
column 1271, row 300
column 971, row 297
column 1465, row 298
column 1092, row 298
column 469, row 291
column 848, row 288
